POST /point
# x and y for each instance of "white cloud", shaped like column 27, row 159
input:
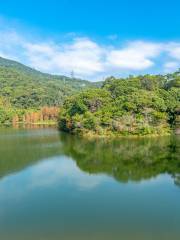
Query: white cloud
column 87, row 58
column 11, row 45
column 171, row 66
column 136, row 56
column 82, row 55
column 174, row 50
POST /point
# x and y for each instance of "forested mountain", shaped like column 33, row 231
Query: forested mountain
column 136, row 105
column 25, row 87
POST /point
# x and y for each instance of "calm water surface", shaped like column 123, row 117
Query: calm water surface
column 55, row 186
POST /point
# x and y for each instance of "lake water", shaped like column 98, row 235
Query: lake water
column 56, row 186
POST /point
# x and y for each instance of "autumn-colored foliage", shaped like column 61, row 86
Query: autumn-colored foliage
column 44, row 114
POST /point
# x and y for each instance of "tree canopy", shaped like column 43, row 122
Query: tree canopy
column 132, row 106
column 25, row 87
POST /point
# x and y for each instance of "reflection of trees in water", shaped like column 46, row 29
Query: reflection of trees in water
column 177, row 179
column 21, row 148
column 126, row 159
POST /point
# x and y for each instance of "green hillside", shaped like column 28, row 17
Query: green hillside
column 25, row 87
column 139, row 105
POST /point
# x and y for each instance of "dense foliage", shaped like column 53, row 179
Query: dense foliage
column 134, row 106
column 6, row 112
column 27, row 88
column 25, row 92
column 13, row 116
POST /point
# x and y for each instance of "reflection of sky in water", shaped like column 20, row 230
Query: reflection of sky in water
column 54, row 195
column 50, row 173
column 43, row 190
column 56, row 171
column 62, row 171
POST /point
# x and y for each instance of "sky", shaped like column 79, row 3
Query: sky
column 93, row 38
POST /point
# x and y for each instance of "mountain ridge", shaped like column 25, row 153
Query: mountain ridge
column 4, row 62
column 26, row 87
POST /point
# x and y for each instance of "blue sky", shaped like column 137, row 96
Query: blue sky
column 94, row 38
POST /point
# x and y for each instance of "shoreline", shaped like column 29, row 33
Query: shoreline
column 88, row 135
column 92, row 136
